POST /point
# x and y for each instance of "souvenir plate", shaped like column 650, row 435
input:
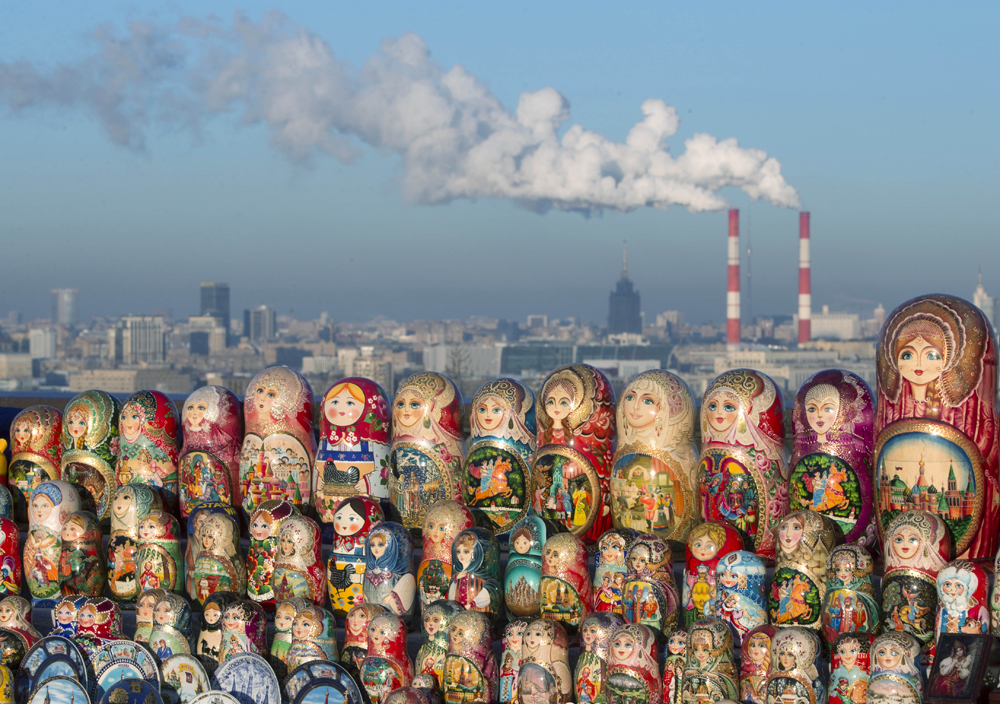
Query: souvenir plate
column 59, row 689
column 122, row 660
column 49, row 657
column 130, row 691
column 249, row 679
column 329, row 692
column 332, row 674
column 215, row 698
column 184, row 678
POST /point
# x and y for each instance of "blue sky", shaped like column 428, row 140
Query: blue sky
column 883, row 119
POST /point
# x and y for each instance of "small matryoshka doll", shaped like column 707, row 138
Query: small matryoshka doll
column 158, row 561
column 264, row 526
column 805, row 539
column 64, row 615
column 633, row 667
column 298, row 566
column 961, row 591
column 896, row 674
column 611, row 569
column 10, row 557
column 353, row 521
column 82, row 565
column 51, row 504
column 208, row 645
column 707, row 544
column 389, row 577
column 524, row 566
column 570, row 479
column 171, row 627
column 794, row 672
column 219, row 565
column 510, row 659
column 435, row 620
column 564, row 590
column 470, row 670
column 994, row 597
column 710, row 668
column 150, row 446
column 496, row 476
column 356, row 634
column 654, row 478
column 35, row 454
column 15, row 614
column 387, row 666
column 442, row 524
column 545, row 675
column 936, row 446
column 849, row 668
column 739, row 593
column 210, row 457
column 144, row 607
column 97, row 622
column 279, row 448
column 755, row 664
column 194, row 521
column 90, row 446
column 281, row 643
column 314, row 636
column 595, row 646
column 131, row 503
column 475, row 579
column 673, row 666
column 831, row 469
column 849, row 605
column 650, row 594
column 353, row 454
column 742, row 477
column 427, row 452
column 244, row 630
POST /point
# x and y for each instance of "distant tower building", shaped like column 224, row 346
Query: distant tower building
column 982, row 301
column 623, row 304
column 261, row 324
column 215, row 302
column 42, row 343
column 143, row 339
column 65, row 306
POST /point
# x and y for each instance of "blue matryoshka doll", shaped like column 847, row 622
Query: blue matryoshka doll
column 739, row 593
column 389, row 579
column 524, row 566
column 475, row 579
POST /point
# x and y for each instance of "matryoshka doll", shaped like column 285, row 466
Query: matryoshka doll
column 510, row 659
column 265, row 523
column 387, row 666
column 279, row 449
column 298, row 566
column 576, row 448
column 15, row 614
column 545, row 673
column 35, row 454
column 710, row 669
column 633, row 667
column 475, row 579
column 496, row 476
column 595, row 646
column 10, row 557
column 936, row 443
column 564, row 589
column 470, row 669
column 144, row 607
column 831, row 469
column 314, row 636
column 171, row 627
column 281, row 642
column 82, row 565
column 849, row 605
column 805, row 539
column 654, row 478
column 742, row 477
column 194, row 521
column 849, row 668
column 650, row 594
column 961, row 590
column 755, row 664
column 244, row 630
column 208, row 645
column 707, row 544
column 435, row 621
column 90, row 446
column 158, row 562
column 427, row 452
column 442, row 524
column 219, row 565
column 150, row 446
column 356, row 634
column 210, row 457
column 353, row 521
column 994, row 597
column 611, row 569
column 739, row 593
column 51, row 504
column 896, row 674
column 524, row 566
column 673, row 666
column 131, row 503
column 97, row 622
column 389, row 577
column 64, row 615
column 794, row 672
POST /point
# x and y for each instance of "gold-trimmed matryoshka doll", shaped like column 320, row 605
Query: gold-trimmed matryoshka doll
column 740, row 579
column 244, row 630
column 208, row 645
column 707, row 543
column 710, row 671
column 545, row 675
column 564, row 590
column 496, row 476
column 427, row 452
column 833, row 416
column 51, row 504
column 389, row 579
column 10, row 557
column 794, row 667
column 442, row 524
column 524, row 566
column 475, row 578
column 673, row 666
column 97, row 622
column 35, row 454
column 284, row 623
column 298, row 566
column 83, row 568
column 130, row 504
column 279, row 449
column 210, row 457
column 150, row 446
column 510, row 659
column 219, row 565
column 611, row 569
column 595, row 647
column 755, row 664
column 576, row 448
column 158, row 561
column 435, row 621
column 356, row 635
column 742, row 477
column 194, row 520
column 470, row 669
column 798, row 588
column 634, row 667
column 849, row 605
column 171, row 627
column 387, row 666
column 654, row 478
column 15, row 614
column 936, row 446
column 850, row 664
column 650, row 594
column 897, row 676
column 90, row 446
column 353, row 521
column 961, row 590
column 144, row 607
column 64, row 615
column 265, row 523
column 314, row 637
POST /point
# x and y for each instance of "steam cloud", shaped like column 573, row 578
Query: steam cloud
column 454, row 137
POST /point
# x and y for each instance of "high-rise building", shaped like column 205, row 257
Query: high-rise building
column 260, row 324
column 215, row 302
column 207, row 335
column 623, row 304
column 65, row 306
column 143, row 339
column 42, row 343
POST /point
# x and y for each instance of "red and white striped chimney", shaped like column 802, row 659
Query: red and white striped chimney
column 805, row 283
column 733, row 291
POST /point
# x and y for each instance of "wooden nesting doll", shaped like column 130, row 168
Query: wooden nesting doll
column 849, row 668
column 524, row 566
column 208, row 645
column 739, row 600
column 633, row 667
column 353, row 520
column 281, row 643
column 83, row 568
column 158, row 561
column 210, row 457
column 936, row 424
column 654, row 478
column 742, row 477
column 387, row 666
column 510, row 659
column 356, row 634
column 710, row 670
column 805, row 539
column 265, row 523
column 496, row 476
column 564, row 590
column 961, row 592
column 650, row 594
column 595, row 647
column 435, row 621
column 10, row 557
column 389, row 577
column 298, row 566
column 545, row 674
column 6, row 502
column 244, row 630
column 755, row 664
column 15, row 614
column 706, row 545
column 576, row 446
column 994, row 597
column 13, row 648
column 90, row 444
column 794, row 671
column 475, row 579
column 314, row 636
column 35, row 454
column 442, row 524
column 144, row 607
column 470, row 669
column 171, row 627
column 896, row 673
column 849, row 605
column 831, row 469
column 279, row 449
column 219, row 565
column 64, row 615
column 131, row 503
column 51, row 504
column 427, row 452
column 194, row 521
column 97, row 622
column 353, row 454
column 150, row 446
column 673, row 666
column 611, row 569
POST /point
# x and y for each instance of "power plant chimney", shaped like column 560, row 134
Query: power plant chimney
column 733, row 291
column 805, row 283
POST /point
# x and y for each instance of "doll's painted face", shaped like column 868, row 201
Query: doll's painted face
column 232, row 621
column 721, row 411
column 87, row 617
column 704, row 548
column 558, row 402
column 844, row 570
column 623, row 646
column 260, row 527
column 677, row 644
column 759, row 649
column 65, row 614
column 302, row 627
column 790, row 533
column 589, row 635
column 212, row 614
column 456, row 635
column 122, row 503
column 848, row 651
column 438, row 526
column 194, row 413
column 132, row 419
column 357, row 620
column 347, row 521
column 489, row 414
column 41, row 507
column 76, row 424
column 343, row 409
column 207, row 541
column 284, row 617
column 786, row 659
column 22, row 433
column 409, row 408
column 702, row 651
column 522, row 545
column 144, row 609
column 513, row 639
column 639, row 559
column 432, row 623
column 889, row 655
column 611, row 551
column 641, row 408
column 287, row 544
column 953, row 587
column 920, row 362
column 729, row 579
column 163, row 614
column 8, row 614
column 147, row 529
column 378, row 634
column 72, row 531
column 534, row 636
column 906, row 543
column 822, row 413
column 264, row 397
column 464, row 552
column 378, row 546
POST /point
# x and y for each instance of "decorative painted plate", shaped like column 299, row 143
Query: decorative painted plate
column 131, row 691
column 335, row 674
column 215, row 698
column 122, row 660
column 184, row 678
column 59, row 689
column 249, row 678
column 50, row 657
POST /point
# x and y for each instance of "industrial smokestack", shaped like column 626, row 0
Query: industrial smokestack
column 733, row 291
column 805, row 283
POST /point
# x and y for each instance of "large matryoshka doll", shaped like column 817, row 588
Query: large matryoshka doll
column 673, row 666
column 171, row 627
column 564, row 591
column 427, row 452
column 130, row 504
column 470, row 669
column 90, row 446
column 496, row 476
column 936, row 425
column 710, row 672
column 524, row 566
column 740, row 579
column 51, row 505
column 576, row 447
column 387, row 666
column 389, row 579
column 210, row 458
column 194, row 521
column 896, row 673
column 650, row 594
column 850, row 664
column 633, row 667
column 805, row 539
column 435, row 621
column 962, row 588
column 353, row 521
column 35, row 454
column 611, row 570
column 707, row 543
column 158, row 561
column 755, row 664
column 545, row 675
column 595, row 651
column 83, row 568
column 795, row 672
column 279, row 448
column 475, row 578
column 442, row 524
column 510, row 659
column 150, row 446
column 265, row 523
column 10, row 557
column 298, row 566
column 849, row 605
column 353, row 454
column 742, row 478
column 219, row 565
column 831, row 469
column 653, row 481
column 356, row 635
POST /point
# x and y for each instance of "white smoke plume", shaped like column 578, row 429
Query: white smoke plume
column 454, row 137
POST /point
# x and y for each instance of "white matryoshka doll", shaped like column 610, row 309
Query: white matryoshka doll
column 210, row 457
column 739, row 599
column 298, row 566
column 496, row 476
column 265, row 523
column 389, row 579
column 707, row 544
column 35, row 454
column 849, row 668
column 435, row 620
column 470, row 669
column 427, row 452
column 131, row 504
column 936, row 446
column 219, row 565
column 208, row 644
column 611, row 569
column 356, row 635
column 144, row 606
column 524, row 566
column 710, row 671
column 633, row 667
column 742, row 477
column 798, row 588
column 545, row 675
column 90, row 445
column 755, row 664
column 442, row 524
column 150, row 446
column 961, row 588
column 510, row 659
column 849, row 605
column 387, row 666
column 475, row 579
column 353, row 521
column 51, row 504
column 653, row 481
column 650, row 594
column 278, row 450
column 794, row 668
column 194, row 521
column 564, row 589
column 595, row 648
column 896, row 673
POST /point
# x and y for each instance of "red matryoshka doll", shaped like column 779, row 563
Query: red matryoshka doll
column 144, row 607
column 545, row 675
column 794, row 673
column 564, row 591
column 936, row 425
column 158, row 562
column 742, row 477
column 210, row 457
column 51, row 504
column 510, row 659
column 755, row 664
column 265, row 523
column 97, row 622
column 298, row 566
column 849, row 605
column 10, row 557
column 150, row 446
column 897, row 675
column 961, row 588
column 611, row 570
column 524, row 565
column 654, row 477
column 279, row 448
column 90, row 446
column 650, row 594
column 798, row 588
column 427, row 452
column 470, row 670
column 435, row 620
column 387, row 666
column 831, row 469
column 356, row 635
column 708, row 543
column 711, row 668
column 314, row 637
column 64, row 616
column 131, row 504
column 850, row 664
column 353, row 520
column 35, row 454
column 475, row 579
column 634, row 667
column 83, row 568
column 244, row 630
column 595, row 649
column 353, row 454
column 389, row 577
column 219, row 565
column 194, row 521
column 442, row 524
column 15, row 614
column 576, row 446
